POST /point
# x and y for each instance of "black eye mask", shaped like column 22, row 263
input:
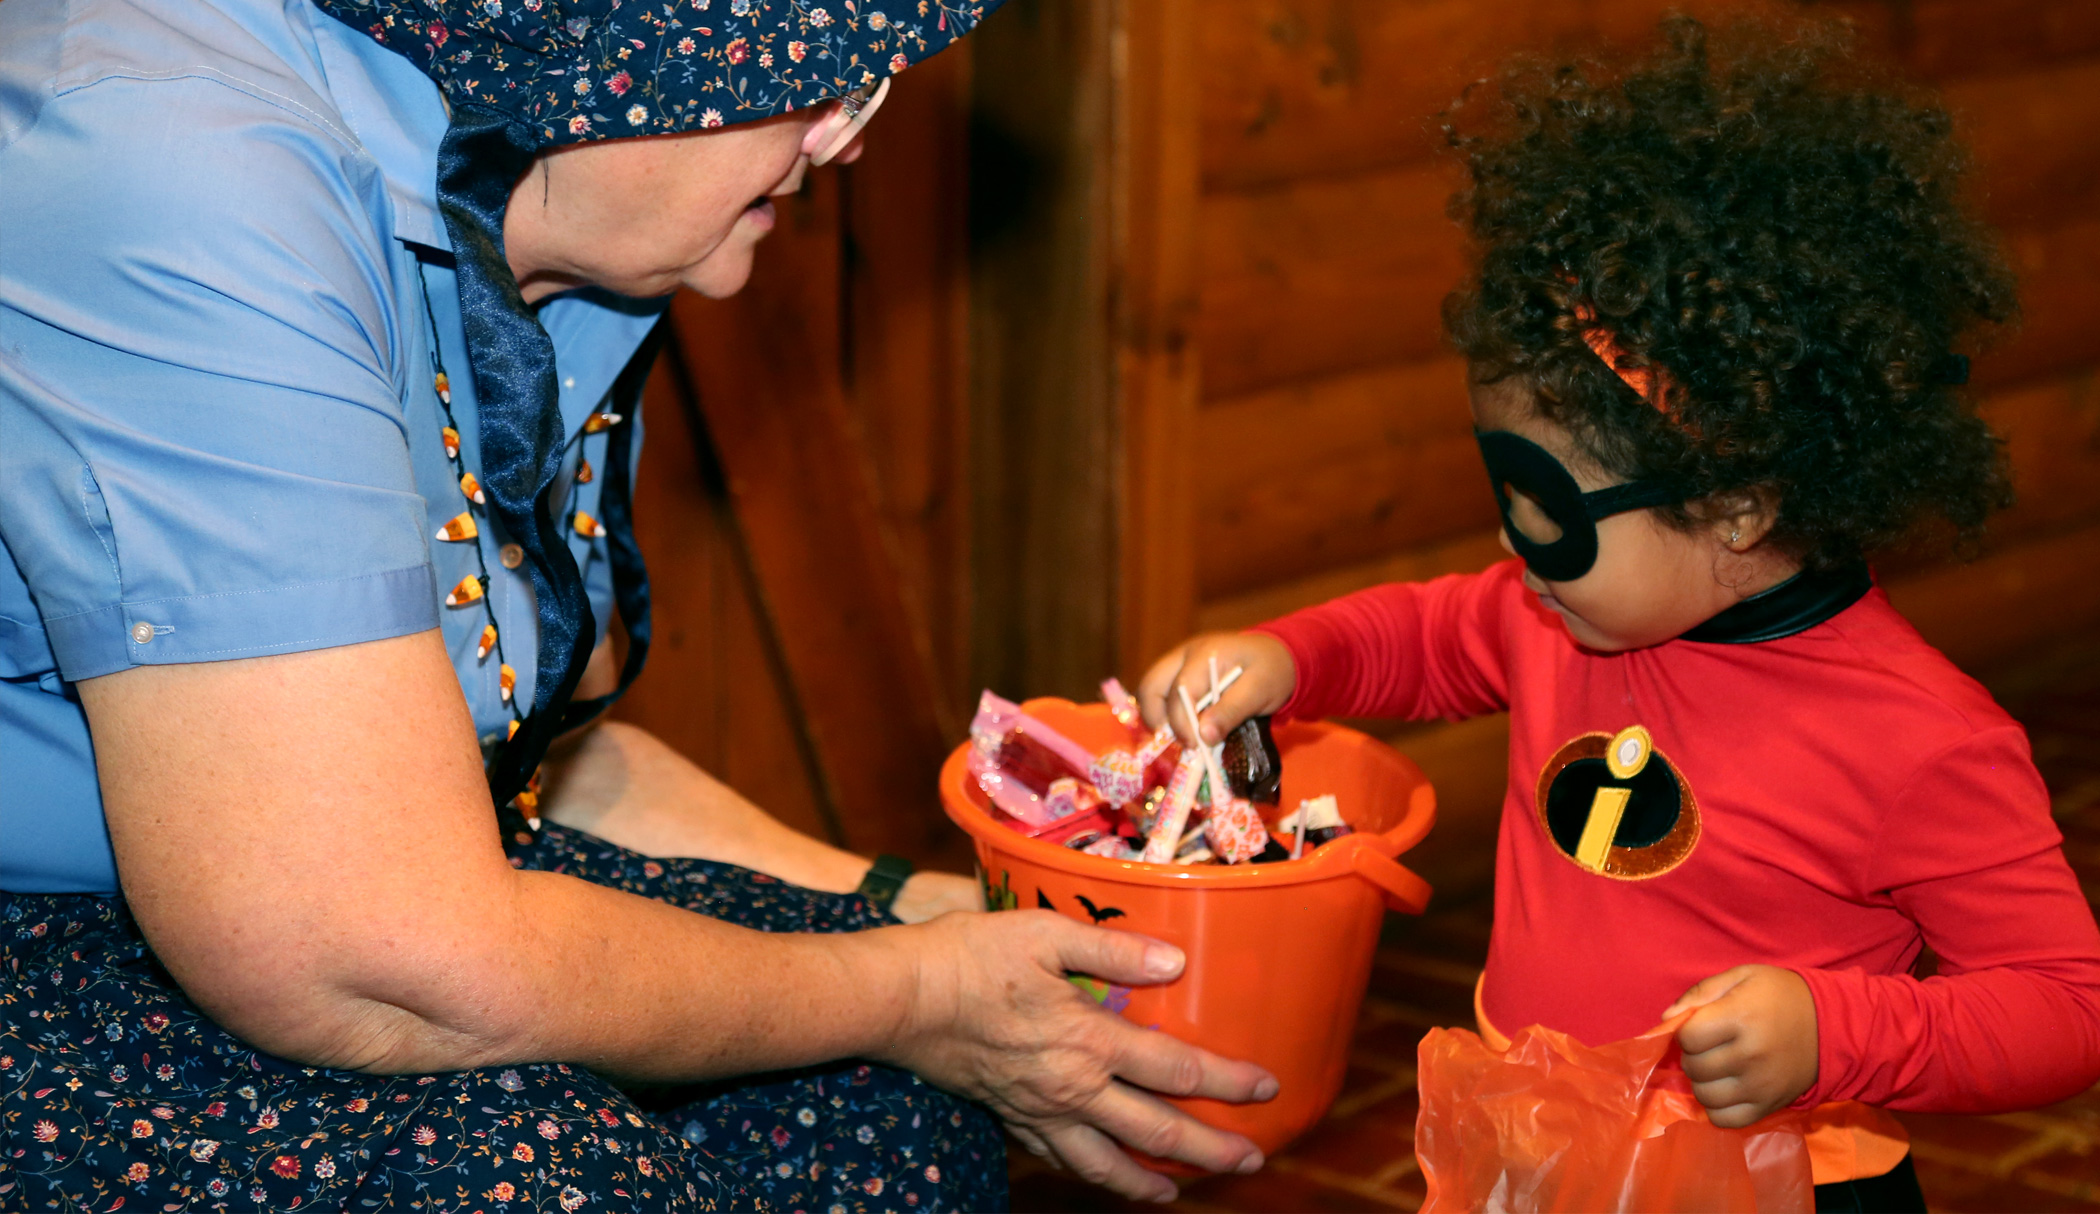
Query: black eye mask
column 1518, row 463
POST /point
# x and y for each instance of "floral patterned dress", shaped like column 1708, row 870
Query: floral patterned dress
column 116, row 1092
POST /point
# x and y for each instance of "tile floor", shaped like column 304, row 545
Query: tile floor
column 1362, row 1156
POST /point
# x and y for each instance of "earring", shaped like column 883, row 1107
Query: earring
column 1735, row 537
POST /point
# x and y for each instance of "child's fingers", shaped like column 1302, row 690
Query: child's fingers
column 1242, row 700
column 1156, row 688
column 1710, row 1028
column 1736, row 1116
column 1720, row 1061
column 1707, row 991
column 1189, row 687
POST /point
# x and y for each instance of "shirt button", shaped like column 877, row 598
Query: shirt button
column 142, row 632
column 511, row 555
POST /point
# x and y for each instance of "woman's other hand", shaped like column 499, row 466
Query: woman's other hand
column 996, row 1020
column 1265, row 684
column 1750, row 1049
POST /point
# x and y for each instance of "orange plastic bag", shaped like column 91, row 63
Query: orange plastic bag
column 1552, row 1124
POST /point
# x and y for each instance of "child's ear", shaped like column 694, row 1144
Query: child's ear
column 1743, row 518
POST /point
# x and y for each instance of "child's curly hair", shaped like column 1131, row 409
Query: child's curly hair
column 1775, row 224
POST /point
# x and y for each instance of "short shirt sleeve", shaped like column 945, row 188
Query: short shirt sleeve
column 204, row 454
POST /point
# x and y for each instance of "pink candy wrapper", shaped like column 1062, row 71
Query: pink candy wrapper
column 1119, row 776
column 1234, row 831
column 1124, row 708
column 1038, row 755
column 1174, row 811
column 1008, row 795
column 1069, row 796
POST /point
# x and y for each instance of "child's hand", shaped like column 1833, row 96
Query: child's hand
column 1265, row 684
column 1751, row 1047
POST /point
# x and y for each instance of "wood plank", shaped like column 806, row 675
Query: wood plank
column 1153, row 291
column 2052, row 437
column 1301, row 283
column 1044, row 479
column 1305, row 88
column 1326, row 274
column 2013, row 600
column 1334, row 472
column 765, row 368
column 2036, row 139
column 1944, row 39
column 1319, row 275
column 709, row 691
column 2059, row 272
column 906, row 330
column 1295, row 88
column 1466, row 554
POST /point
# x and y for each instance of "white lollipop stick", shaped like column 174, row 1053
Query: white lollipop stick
column 1219, row 687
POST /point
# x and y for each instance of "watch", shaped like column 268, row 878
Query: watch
column 884, row 879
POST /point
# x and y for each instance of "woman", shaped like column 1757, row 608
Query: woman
column 319, row 341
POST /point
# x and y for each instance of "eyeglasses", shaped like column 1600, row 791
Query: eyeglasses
column 843, row 125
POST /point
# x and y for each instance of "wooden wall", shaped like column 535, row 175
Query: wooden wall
column 1127, row 326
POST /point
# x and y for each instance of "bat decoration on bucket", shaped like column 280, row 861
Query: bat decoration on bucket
column 1099, row 914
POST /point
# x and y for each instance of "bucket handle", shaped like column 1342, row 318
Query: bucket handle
column 1404, row 891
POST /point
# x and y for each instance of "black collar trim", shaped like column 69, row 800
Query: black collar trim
column 1795, row 605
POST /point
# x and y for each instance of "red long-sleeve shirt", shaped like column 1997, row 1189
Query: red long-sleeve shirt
column 1845, row 797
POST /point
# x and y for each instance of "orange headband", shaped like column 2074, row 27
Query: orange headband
column 1651, row 383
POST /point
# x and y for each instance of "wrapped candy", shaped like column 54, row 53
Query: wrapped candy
column 1234, row 831
column 1068, row 796
column 1163, row 839
column 1038, row 755
column 1317, row 820
column 1253, row 765
column 1121, row 705
column 1008, row 795
column 1111, row 847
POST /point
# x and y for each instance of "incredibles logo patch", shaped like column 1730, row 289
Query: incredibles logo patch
column 1614, row 805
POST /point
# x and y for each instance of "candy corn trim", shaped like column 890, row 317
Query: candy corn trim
column 583, row 472
column 600, row 421
column 587, row 527
column 488, row 642
column 459, row 527
column 451, row 443
column 508, row 680
column 468, row 591
column 472, row 488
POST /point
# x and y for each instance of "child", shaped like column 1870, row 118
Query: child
column 1710, row 342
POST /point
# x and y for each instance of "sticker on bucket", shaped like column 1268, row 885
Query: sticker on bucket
column 1002, row 897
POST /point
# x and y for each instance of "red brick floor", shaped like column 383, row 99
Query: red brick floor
column 1362, row 1156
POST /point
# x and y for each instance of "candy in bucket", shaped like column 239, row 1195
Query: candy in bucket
column 1154, row 800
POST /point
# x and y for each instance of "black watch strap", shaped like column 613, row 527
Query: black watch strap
column 883, row 881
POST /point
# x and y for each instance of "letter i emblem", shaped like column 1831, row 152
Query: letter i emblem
column 1626, row 756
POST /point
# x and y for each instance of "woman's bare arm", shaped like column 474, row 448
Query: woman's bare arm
column 307, row 843
column 623, row 785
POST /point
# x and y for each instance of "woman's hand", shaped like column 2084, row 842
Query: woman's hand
column 996, row 1020
column 1751, row 1047
column 1265, row 684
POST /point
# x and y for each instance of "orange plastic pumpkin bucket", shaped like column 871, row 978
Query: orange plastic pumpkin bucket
column 1278, row 954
